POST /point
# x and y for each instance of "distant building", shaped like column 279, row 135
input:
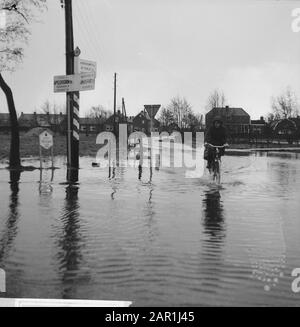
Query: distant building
column 284, row 127
column 113, row 120
column 4, row 122
column 235, row 120
column 258, row 126
column 142, row 123
column 90, row 125
column 54, row 122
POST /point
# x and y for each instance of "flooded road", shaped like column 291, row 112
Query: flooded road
column 175, row 240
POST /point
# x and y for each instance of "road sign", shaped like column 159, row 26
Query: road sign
column 46, row 140
column 87, row 66
column 152, row 110
column 74, row 83
column 65, row 83
column 87, row 82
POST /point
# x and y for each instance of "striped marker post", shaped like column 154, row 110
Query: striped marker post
column 75, row 131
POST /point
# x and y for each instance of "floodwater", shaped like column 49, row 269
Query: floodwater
column 176, row 239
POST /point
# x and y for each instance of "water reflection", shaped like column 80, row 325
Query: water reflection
column 212, row 254
column 45, row 185
column 213, row 221
column 11, row 226
column 70, row 243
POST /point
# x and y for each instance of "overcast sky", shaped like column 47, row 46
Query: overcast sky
column 165, row 48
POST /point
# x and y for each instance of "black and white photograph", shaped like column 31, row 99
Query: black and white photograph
column 149, row 155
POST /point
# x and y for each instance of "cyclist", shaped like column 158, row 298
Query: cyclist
column 216, row 135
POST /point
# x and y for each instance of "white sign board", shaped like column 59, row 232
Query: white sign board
column 46, row 140
column 73, row 83
column 87, row 82
column 86, row 66
column 65, row 83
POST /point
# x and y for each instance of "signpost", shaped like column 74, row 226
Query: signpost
column 46, row 142
column 74, row 83
column 82, row 78
column 152, row 110
column 87, row 66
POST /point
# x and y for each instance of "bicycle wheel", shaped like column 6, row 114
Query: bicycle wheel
column 217, row 174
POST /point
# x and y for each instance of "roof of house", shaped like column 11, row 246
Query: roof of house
column 89, row 121
column 283, row 124
column 110, row 120
column 258, row 122
column 142, row 115
column 228, row 111
column 44, row 120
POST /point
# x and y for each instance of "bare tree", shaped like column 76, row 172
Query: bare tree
column 99, row 113
column 285, row 105
column 180, row 110
column 166, row 117
column 52, row 108
column 216, row 100
column 14, row 35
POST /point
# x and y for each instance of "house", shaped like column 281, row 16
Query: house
column 141, row 122
column 114, row 120
column 284, row 127
column 235, row 120
column 258, row 126
column 90, row 125
column 54, row 122
column 4, row 122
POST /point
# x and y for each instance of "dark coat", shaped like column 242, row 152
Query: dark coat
column 216, row 136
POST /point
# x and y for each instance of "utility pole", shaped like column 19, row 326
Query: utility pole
column 72, row 101
column 124, row 109
column 115, row 103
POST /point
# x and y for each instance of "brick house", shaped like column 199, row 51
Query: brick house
column 117, row 119
column 90, row 125
column 4, row 122
column 142, row 123
column 236, row 120
column 258, row 126
column 54, row 122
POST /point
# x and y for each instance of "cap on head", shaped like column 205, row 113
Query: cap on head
column 218, row 119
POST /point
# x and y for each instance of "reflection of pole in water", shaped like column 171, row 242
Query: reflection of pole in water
column 140, row 172
column 45, row 186
column 70, row 255
column 11, row 229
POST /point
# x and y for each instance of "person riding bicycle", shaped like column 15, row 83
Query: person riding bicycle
column 216, row 135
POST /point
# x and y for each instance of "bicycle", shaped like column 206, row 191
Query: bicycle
column 216, row 162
